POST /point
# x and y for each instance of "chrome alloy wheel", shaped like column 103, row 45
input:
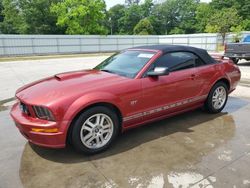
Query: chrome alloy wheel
column 96, row 131
column 219, row 97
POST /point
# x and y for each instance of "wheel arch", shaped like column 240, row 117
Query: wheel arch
column 105, row 104
column 224, row 80
column 208, row 103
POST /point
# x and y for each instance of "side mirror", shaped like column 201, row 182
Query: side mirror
column 159, row 71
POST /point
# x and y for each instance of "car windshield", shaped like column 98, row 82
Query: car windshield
column 127, row 63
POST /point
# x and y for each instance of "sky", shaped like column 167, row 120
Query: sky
column 111, row 3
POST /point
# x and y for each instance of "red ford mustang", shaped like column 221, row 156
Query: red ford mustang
column 88, row 108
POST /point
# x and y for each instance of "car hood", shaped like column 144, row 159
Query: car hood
column 65, row 85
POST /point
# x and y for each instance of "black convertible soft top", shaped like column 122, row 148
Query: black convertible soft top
column 176, row 48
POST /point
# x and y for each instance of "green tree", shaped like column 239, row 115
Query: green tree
column 1, row 11
column 123, row 19
column 115, row 13
column 38, row 18
column 203, row 13
column 144, row 27
column 246, row 24
column 219, row 4
column 133, row 14
column 222, row 22
column 12, row 23
column 177, row 30
column 237, row 33
column 170, row 15
column 187, row 14
column 242, row 7
column 157, row 20
column 175, row 16
column 81, row 16
column 29, row 17
column 147, row 8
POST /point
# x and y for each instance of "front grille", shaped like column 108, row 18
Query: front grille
column 24, row 108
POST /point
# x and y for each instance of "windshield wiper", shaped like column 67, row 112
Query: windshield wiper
column 106, row 70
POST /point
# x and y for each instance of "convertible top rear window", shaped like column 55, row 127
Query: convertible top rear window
column 127, row 63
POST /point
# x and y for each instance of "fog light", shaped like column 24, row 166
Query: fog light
column 54, row 130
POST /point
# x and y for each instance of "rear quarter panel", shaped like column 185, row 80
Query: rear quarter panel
column 233, row 73
column 223, row 70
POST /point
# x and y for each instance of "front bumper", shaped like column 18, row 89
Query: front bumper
column 27, row 124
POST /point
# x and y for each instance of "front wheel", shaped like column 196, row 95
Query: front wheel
column 94, row 130
column 217, row 98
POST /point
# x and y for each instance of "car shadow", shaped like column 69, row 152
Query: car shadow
column 143, row 134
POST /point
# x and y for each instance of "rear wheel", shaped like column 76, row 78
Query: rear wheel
column 94, row 130
column 217, row 98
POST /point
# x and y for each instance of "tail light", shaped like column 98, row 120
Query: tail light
column 43, row 113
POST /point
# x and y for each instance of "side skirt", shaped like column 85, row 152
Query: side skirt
column 162, row 117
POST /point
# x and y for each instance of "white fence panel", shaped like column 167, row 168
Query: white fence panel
column 14, row 45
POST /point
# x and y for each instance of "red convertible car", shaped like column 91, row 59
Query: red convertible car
column 88, row 108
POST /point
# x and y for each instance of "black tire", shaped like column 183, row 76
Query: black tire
column 209, row 106
column 235, row 60
column 78, row 124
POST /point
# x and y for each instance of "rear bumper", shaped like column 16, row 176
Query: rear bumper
column 25, row 124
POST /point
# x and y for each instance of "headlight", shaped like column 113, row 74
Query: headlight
column 24, row 108
column 43, row 113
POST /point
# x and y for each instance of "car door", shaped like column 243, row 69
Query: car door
column 204, row 75
column 173, row 92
